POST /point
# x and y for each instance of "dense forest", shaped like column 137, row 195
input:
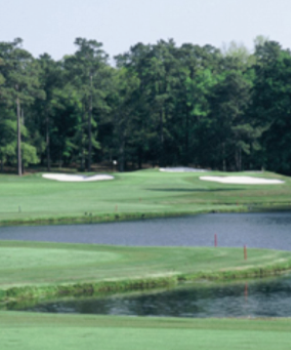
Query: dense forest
column 159, row 105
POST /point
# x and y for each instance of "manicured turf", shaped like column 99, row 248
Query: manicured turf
column 39, row 265
column 138, row 194
column 27, row 331
column 32, row 269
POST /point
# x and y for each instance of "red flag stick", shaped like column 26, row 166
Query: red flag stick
column 245, row 253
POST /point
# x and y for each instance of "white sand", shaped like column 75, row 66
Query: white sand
column 181, row 170
column 76, row 178
column 243, row 180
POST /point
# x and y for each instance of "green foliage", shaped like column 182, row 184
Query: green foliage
column 162, row 105
column 272, row 105
column 29, row 154
column 7, row 135
column 87, row 72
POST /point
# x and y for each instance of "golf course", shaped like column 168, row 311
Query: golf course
column 31, row 270
column 61, row 332
column 54, row 269
column 32, row 199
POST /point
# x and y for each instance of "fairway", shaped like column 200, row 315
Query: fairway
column 29, row 269
column 27, row 331
column 145, row 186
column 32, row 199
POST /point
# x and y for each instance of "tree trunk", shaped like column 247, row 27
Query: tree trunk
column 250, row 157
column 47, row 137
column 22, row 123
column 90, row 127
column 1, row 163
column 121, row 151
column 161, row 137
column 186, row 156
column 223, row 157
column 22, row 115
column 121, row 158
column 19, row 159
column 238, row 160
column 139, row 158
column 81, row 140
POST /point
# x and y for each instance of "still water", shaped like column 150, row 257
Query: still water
column 268, row 298
column 257, row 230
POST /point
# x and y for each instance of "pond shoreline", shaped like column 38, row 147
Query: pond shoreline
column 89, row 288
column 89, row 218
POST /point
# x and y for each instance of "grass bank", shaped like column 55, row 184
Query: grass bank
column 35, row 269
column 60, row 332
column 142, row 194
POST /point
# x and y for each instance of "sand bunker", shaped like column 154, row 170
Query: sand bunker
column 181, row 170
column 77, row 178
column 243, row 180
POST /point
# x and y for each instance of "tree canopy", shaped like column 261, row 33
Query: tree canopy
column 159, row 105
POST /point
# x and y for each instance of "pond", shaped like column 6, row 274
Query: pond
column 265, row 298
column 257, row 230
column 270, row 298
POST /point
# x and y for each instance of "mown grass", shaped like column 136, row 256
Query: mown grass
column 141, row 194
column 34, row 269
column 28, row 331
column 29, row 270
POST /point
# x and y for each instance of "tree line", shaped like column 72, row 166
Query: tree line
column 159, row 104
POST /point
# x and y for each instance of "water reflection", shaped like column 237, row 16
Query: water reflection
column 268, row 298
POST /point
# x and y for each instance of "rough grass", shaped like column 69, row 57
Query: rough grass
column 33, row 269
column 27, row 331
column 32, row 199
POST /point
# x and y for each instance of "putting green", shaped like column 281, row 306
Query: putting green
column 26, row 258
column 40, row 265
column 32, row 199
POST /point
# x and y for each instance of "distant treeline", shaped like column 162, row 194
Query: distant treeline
column 160, row 105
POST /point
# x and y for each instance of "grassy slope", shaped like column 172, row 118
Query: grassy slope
column 32, row 198
column 51, row 264
column 135, row 193
column 60, row 332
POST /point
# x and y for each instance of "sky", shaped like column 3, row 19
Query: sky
column 51, row 26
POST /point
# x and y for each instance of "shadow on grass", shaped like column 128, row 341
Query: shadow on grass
column 193, row 189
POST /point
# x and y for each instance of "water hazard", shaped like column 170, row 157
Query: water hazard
column 267, row 298
column 263, row 298
column 257, row 230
